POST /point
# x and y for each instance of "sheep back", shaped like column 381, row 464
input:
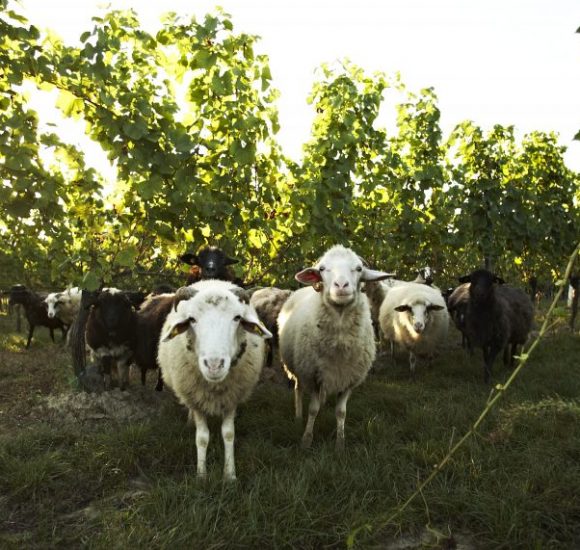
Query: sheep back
column 520, row 312
column 268, row 302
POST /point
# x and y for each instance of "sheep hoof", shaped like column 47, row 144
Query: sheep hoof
column 231, row 478
column 306, row 440
column 339, row 445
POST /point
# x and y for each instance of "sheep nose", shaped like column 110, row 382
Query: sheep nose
column 418, row 327
column 214, row 364
column 341, row 284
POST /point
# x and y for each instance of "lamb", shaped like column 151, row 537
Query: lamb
column 327, row 342
column 64, row 305
column 211, row 354
column 496, row 317
column 415, row 317
column 111, row 333
column 210, row 263
column 268, row 302
column 36, row 312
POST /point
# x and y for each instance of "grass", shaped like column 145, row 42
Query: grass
column 515, row 485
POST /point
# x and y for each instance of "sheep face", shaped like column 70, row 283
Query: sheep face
column 482, row 284
column 339, row 273
column 214, row 322
column 416, row 315
column 212, row 262
column 427, row 274
column 52, row 302
column 113, row 312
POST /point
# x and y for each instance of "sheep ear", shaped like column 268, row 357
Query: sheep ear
column 230, row 261
column 403, row 308
column 498, row 280
column 464, row 279
column 189, row 258
column 176, row 329
column 256, row 328
column 251, row 323
column 373, row 275
column 308, row 276
column 434, row 307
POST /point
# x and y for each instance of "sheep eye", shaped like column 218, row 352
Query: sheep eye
column 237, row 318
column 359, row 268
column 321, row 268
column 192, row 320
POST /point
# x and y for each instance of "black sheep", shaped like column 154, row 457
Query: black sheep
column 210, row 263
column 496, row 317
column 111, row 333
column 36, row 311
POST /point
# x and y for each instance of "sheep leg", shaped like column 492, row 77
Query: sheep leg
column 159, row 386
column 340, row 418
column 513, row 356
column 392, row 351
column 506, row 355
column 228, row 435
column 106, row 369
column 123, row 373
column 297, row 400
column 489, row 355
column 51, row 334
column 412, row 363
column 30, row 333
column 201, row 440
column 313, row 408
column 486, row 364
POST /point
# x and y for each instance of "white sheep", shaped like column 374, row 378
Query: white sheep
column 211, row 352
column 376, row 292
column 327, row 343
column 415, row 317
column 64, row 305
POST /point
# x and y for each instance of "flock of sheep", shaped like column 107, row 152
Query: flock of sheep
column 209, row 340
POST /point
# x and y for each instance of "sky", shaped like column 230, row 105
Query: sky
column 510, row 62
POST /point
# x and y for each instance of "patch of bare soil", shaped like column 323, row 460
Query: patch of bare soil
column 135, row 404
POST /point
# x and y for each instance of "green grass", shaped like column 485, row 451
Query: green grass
column 514, row 485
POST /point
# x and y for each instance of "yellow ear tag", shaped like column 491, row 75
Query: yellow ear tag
column 178, row 329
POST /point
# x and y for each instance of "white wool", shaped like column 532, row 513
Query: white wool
column 419, row 330
column 326, row 338
column 64, row 305
column 210, row 361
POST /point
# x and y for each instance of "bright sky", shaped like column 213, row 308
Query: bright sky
column 491, row 61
